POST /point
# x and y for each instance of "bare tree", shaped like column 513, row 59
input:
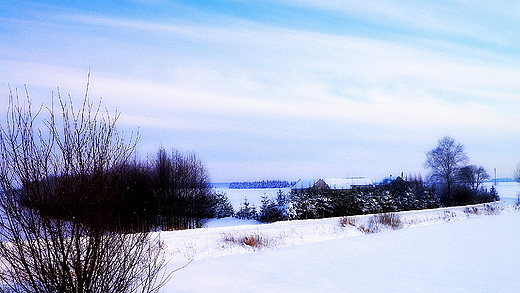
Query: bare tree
column 67, row 162
column 473, row 176
column 182, row 189
column 444, row 162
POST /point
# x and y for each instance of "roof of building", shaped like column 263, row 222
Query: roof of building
column 335, row 183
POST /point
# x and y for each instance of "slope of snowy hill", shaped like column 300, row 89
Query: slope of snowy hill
column 476, row 255
column 460, row 249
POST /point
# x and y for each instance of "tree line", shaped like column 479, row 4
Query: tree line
column 451, row 181
column 261, row 184
column 171, row 191
column 410, row 193
column 322, row 201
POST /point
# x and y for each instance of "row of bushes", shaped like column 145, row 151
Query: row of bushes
column 170, row 192
column 173, row 192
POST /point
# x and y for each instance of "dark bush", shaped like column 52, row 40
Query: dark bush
column 172, row 192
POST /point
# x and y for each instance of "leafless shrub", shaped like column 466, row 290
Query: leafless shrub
column 516, row 204
column 491, row 209
column 379, row 222
column 391, row 220
column 348, row 221
column 40, row 252
column 254, row 240
column 486, row 209
column 370, row 227
column 448, row 215
column 471, row 210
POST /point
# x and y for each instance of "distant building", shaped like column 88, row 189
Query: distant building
column 345, row 183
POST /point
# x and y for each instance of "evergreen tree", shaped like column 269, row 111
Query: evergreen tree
column 222, row 206
column 384, row 201
column 300, row 204
column 247, row 211
column 494, row 194
column 429, row 200
column 268, row 211
column 312, row 203
column 282, row 205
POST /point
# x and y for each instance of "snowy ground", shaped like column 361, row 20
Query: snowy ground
column 441, row 250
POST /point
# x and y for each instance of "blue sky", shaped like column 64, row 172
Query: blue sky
column 283, row 89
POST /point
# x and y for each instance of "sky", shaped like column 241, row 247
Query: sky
column 282, row 89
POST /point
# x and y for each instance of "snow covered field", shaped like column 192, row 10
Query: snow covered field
column 441, row 250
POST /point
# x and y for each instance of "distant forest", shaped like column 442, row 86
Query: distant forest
column 261, row 184
column 502, row 180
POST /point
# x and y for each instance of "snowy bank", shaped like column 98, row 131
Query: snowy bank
column 476, row 255
column 214, row 241
column 224, row 260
